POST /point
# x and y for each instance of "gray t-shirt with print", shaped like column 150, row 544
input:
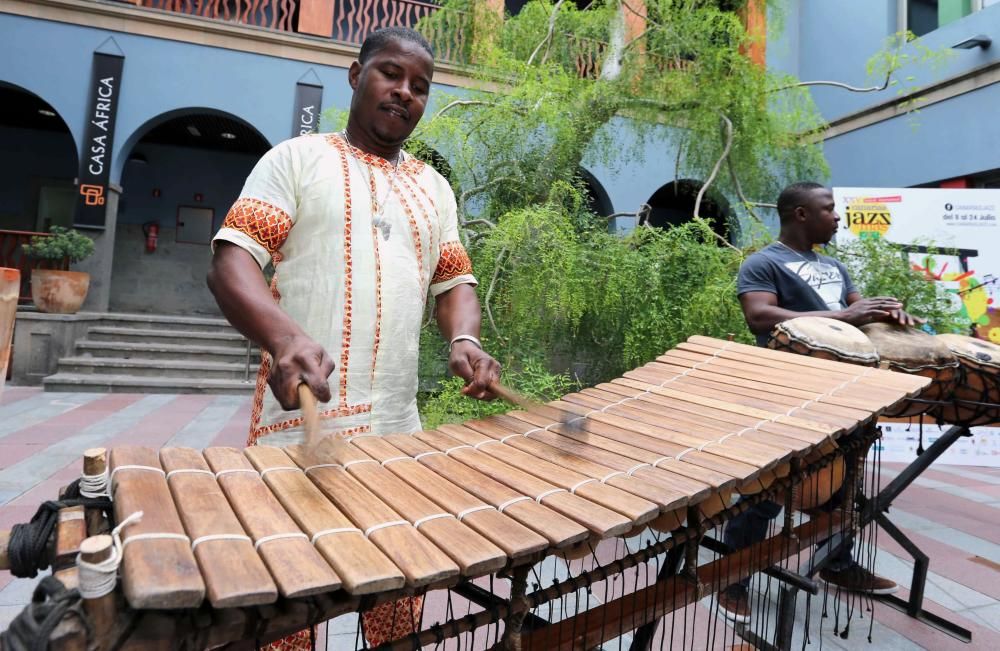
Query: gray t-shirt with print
column 803, row 282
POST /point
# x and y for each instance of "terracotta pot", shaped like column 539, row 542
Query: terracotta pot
column 10, row 286
column 59, row 292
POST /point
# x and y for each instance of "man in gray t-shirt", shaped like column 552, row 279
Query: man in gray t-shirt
column 784, row 280
column 803, row 281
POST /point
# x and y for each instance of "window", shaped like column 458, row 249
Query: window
column 923, row 16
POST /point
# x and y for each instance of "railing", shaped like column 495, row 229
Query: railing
column 354, row 20
column 272, row 14
column 12, row 255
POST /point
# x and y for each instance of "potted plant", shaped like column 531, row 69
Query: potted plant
column 59, row 291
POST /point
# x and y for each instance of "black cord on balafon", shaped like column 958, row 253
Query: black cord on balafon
column 28, row 542
column 33, row 627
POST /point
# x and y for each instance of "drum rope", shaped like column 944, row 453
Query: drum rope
column 391, row 459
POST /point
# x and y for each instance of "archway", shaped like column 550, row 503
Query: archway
column 598, row 201
column 180, row 172
column 673, row 205
column 38, row 163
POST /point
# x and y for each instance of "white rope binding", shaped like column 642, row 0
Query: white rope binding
column 329, row 532
column 278, row 536
column 94, row 485
column 473, row 509
column 218, row 536
column 375, row 527
column 99, row 579
column 428, row 518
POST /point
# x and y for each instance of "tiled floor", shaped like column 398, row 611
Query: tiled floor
column 952, row 512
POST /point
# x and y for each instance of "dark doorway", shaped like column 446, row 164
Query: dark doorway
column 673, row 205
column 182, row 174
column 38, row 163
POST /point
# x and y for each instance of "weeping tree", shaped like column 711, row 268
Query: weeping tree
column 557, row 85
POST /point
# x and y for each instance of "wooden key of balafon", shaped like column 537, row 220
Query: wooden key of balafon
column 156, row 539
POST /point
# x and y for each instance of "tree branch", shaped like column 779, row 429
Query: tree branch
column 726, row 148
column 462, row 102
column 548, row 36
column 489, row 294
column 739, row 188
column 478, row 222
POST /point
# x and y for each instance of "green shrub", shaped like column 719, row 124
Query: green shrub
column 63, row 243
column 447, row 404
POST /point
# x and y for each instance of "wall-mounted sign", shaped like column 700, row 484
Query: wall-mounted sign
column 95, row 157
column 308, row 104
column 963, row 225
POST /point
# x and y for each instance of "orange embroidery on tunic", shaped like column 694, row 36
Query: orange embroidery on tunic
column 268, row 225
column 454, row 262
column 345, row 342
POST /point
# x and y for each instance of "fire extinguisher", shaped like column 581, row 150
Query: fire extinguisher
column 152, row 232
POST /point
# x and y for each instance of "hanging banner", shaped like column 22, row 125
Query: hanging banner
column 308, row 100
column 962, row 222
column 95, row 157
column 900, row 443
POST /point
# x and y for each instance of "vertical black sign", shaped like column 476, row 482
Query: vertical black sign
column 308, row 99
column 95, row 157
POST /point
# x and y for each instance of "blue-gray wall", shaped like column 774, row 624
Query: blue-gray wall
column 833, row 40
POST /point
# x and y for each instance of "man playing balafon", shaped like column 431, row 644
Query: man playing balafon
column 784, row 280
column 358, row 232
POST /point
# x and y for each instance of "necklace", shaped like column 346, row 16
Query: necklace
column 378, row 205
column 798, row 253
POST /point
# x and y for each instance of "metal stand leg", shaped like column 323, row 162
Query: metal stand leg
column 914, row 606
column 874, row 510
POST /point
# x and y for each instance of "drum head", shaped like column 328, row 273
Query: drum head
column 820, row 333
column 909, row 349
column 978, row 351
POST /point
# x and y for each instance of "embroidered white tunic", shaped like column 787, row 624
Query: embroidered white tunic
column 310, row 206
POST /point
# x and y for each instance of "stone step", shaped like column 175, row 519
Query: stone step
column 188, row 368
column 229, row 338
column 96, row 383
column 132, row 350
column 157, row 321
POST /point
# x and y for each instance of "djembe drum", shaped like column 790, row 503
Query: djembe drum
column 912, row 351
column 824, row 338
column 976, row 399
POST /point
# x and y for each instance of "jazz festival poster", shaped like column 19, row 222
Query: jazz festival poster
column 964, row 225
